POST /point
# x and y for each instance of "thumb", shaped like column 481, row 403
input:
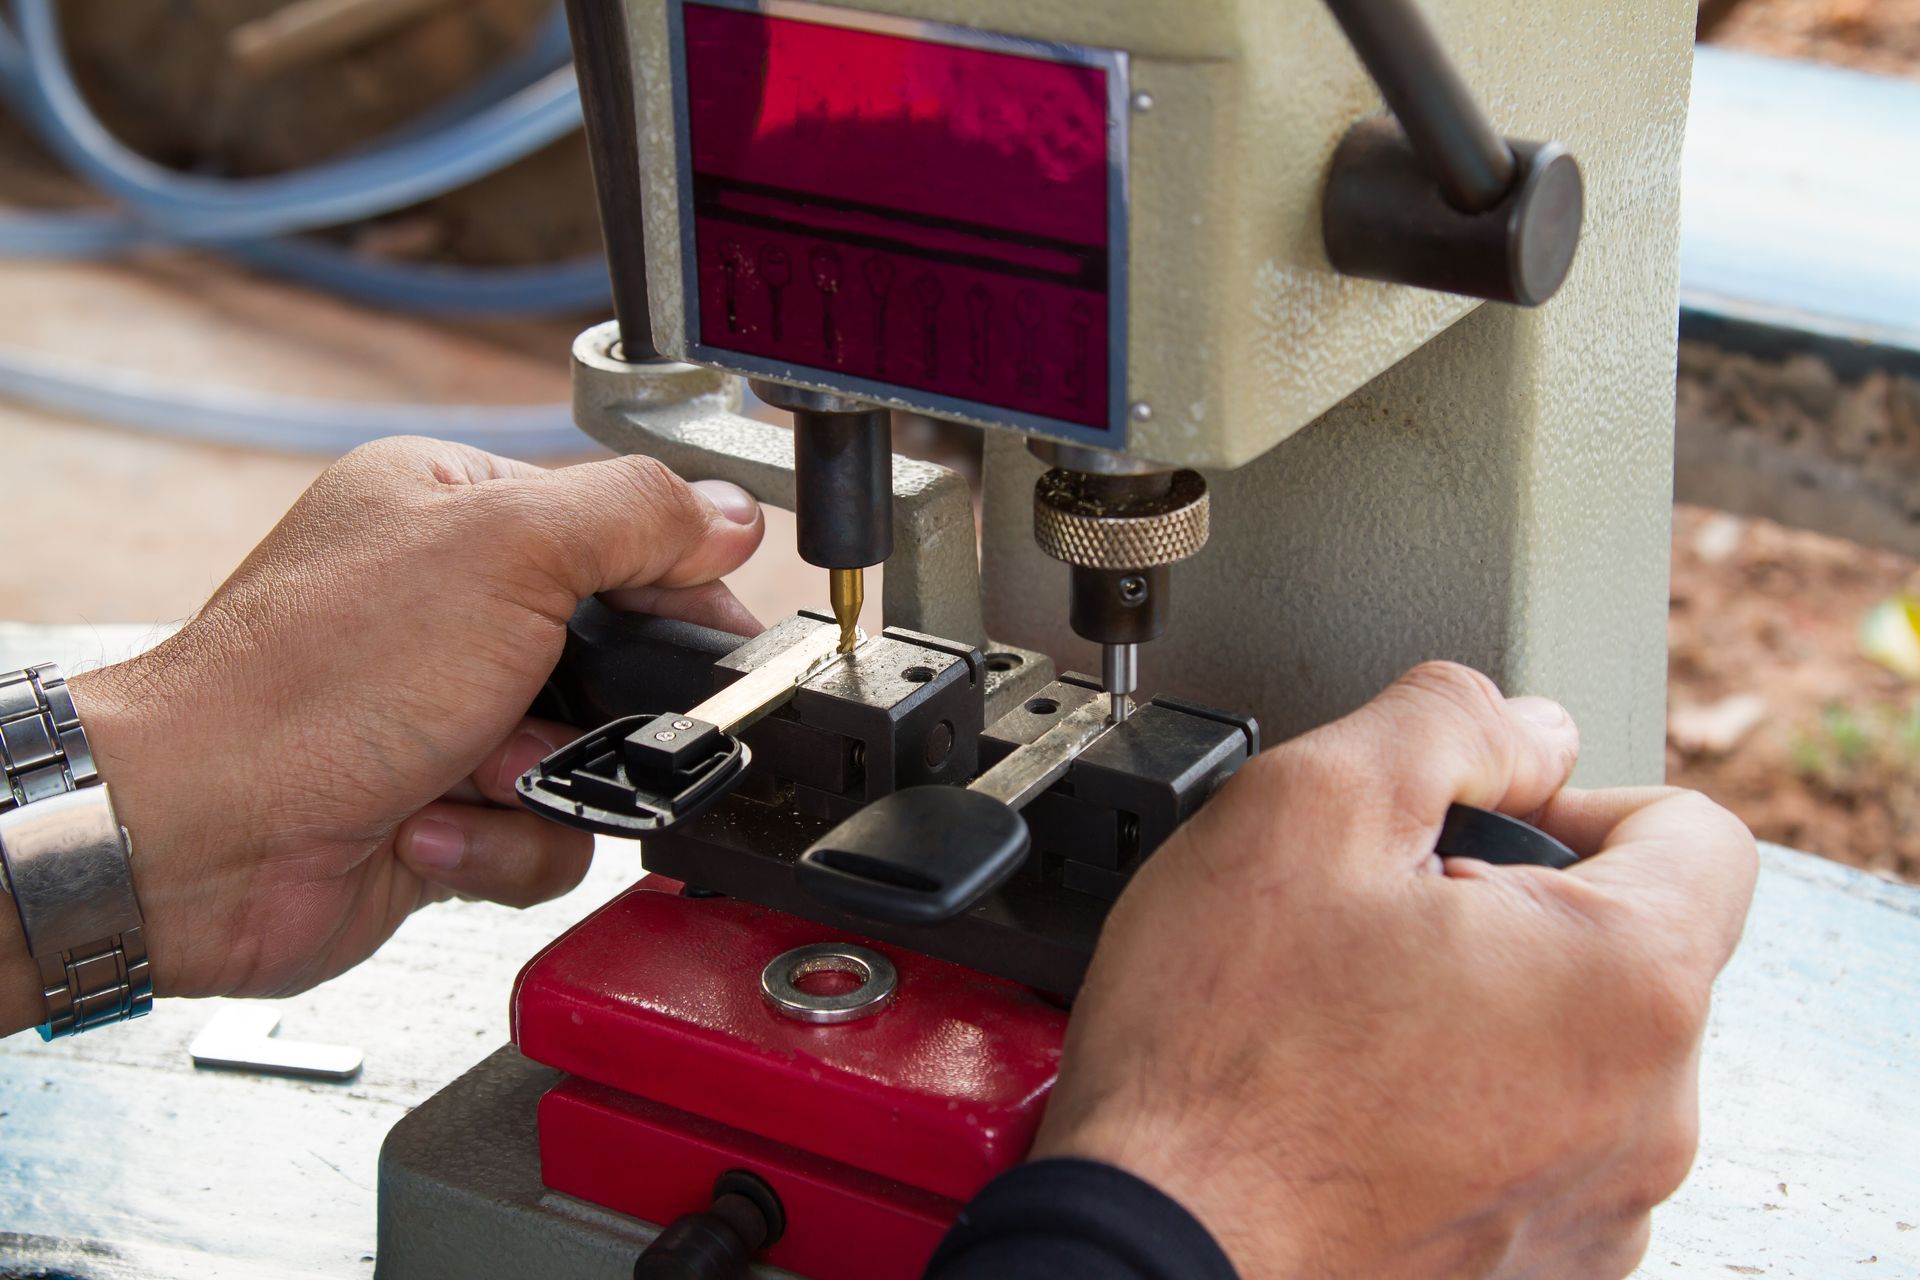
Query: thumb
column 631, row 522
column 1441, row 733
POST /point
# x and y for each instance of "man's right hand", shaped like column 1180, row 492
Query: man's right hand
column 1348, row 1059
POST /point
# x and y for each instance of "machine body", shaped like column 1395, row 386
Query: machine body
column 1144, row 247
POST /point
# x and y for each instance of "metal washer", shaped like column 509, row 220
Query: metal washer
column 878, row 981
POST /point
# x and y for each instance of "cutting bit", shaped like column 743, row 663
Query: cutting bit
column 846, row 593
column 1120, row 675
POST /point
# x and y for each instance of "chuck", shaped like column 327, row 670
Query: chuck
column 1120, row 531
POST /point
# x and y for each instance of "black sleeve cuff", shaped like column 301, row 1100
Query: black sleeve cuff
column 1055, row 1219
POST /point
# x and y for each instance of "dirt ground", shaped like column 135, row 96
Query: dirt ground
column 1867, row 35
column 1819, row 747
column 1763, row 635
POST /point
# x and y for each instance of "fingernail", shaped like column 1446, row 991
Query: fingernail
column 1544, row 712
column 730, row 500
column 526, row 751
column 438, row 846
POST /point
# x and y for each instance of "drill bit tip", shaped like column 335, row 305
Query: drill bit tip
column 846, row 593
column 1120, row 676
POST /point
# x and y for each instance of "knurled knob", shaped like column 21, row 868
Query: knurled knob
column 1080, row 523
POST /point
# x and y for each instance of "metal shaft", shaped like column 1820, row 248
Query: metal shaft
column 1449, row 132
column 1120, row 674
column 599, row 30
column 843, row 487
column 843, row 502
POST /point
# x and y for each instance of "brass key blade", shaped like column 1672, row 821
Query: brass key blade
column 769, row 686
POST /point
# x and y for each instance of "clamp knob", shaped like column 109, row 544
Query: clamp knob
column 1089, row 522
column 720, row 1242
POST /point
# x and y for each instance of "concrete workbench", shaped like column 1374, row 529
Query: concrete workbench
column 119, row 1159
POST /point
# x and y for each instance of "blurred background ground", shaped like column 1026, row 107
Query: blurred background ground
column 1867, row 35
column 121, row 526
column 1775, row 710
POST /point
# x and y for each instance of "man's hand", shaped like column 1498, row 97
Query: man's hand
column 1351, row 1061
column 333, row 740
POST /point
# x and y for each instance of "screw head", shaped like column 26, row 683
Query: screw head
column 665, row 735
column 683, row 724
column 1142, row 411
column 1133, row 589
column 1143, row 102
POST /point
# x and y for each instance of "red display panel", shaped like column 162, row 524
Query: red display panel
column 901, row 211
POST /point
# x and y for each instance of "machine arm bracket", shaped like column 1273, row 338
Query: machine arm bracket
column 1434, row 197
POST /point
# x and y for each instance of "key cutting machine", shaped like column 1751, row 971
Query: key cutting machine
column 1209, row 275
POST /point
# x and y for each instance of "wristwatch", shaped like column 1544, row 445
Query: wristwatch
column 64, row 858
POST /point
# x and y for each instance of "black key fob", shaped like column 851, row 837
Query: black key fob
column 918, row 856
column 635, row 775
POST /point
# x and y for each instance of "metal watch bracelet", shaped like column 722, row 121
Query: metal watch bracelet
column 64, row 860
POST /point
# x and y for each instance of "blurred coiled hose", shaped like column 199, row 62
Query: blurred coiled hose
column 520, row 107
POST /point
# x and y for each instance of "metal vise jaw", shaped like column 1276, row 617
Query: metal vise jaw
column 906, row 715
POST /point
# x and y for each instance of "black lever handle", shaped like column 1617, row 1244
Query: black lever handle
column 1494, row 837
column 1448, row 131
column 1442, row 201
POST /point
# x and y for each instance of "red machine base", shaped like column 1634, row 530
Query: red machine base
column 652, row 1162
column 872, row 1132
